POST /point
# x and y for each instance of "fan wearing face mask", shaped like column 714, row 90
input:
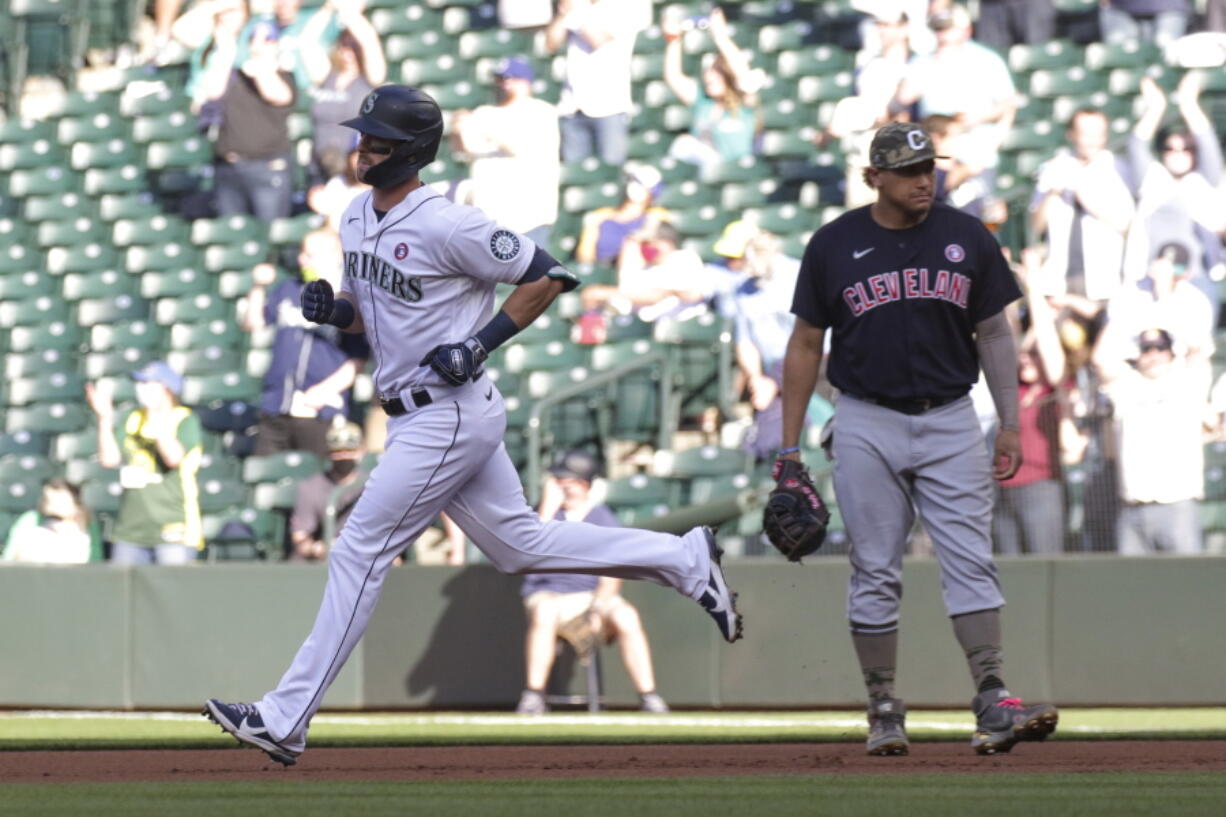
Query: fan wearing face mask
column 325, row 499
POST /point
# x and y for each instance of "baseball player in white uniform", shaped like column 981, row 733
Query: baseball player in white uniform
column 419, row 279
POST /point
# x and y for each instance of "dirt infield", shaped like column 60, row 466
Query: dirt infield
column 655, row 760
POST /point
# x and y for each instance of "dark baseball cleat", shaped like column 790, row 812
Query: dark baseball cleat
column 887, row 728
column 717, row 599
column 653, row 703
column 243, row 721
column 1001, row 721
column 531, row 702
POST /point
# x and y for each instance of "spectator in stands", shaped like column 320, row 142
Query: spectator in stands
column 967, row 81
column 1083, row 205
column 554, row 599
column 59, row 531
column 330, row 494
column 1179, row 197
column 341, row 187
column 1130, row 21
column 959, row 183
column 1004, row 23
column 605, row 229
column 313, row 367
column 524, row 14
column 1029, row 513
column 1163, row 299
column 1160, row 403
column 513, row 146
column 596, row 103
column 760, row 306
column 298, row 34
column 656, row 276
column 253, row 164
column 210, row 28
column 158, row 455
column 724, row 114
column 880, row 67
column 340, row 80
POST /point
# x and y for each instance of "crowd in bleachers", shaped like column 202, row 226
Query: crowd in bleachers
column 167, row 189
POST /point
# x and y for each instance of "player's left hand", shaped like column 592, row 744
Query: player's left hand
column 1008, row 455
column 457, row 363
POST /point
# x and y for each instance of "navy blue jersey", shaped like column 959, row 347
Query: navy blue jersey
column 902, row 304
column 571, row 582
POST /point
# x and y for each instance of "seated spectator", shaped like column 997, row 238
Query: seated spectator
column 313, row 366
column 655, row 277
column 596, row 102
column 965, row 80
column 553, row 599
column 605, row 229
column 725, row 119
column 158, row 455
column 60, row 531
column 1160, row 403
column 1166, row 300
column 341, row 187
column 1179, row 198
column 880, row 67
column 1129, row 21
column 760, row 305
column 1004, row 23
column 340, row 80
column 1084, row 207
column 332, row 493
column 513, row 147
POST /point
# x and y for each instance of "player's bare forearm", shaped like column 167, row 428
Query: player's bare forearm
column 528, row 301
column 357, row 327
column 801, row 363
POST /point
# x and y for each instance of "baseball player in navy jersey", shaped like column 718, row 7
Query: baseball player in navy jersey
column 912, row 294
column 419, row 278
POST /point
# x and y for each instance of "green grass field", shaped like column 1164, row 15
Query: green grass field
column 1091, row 794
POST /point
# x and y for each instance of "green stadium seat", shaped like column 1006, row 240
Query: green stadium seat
column 229, row 386
column 544, row 329
column 39, row 362
column 83, row 258
column 589, row 197
column 23, row 441
column 172, row 256
column 77, row 445
column 1064, row 81
column 56, row 334
column 112, row 153
column 226, row 229
column 267, row 527
column 13, row 231
column 1041, row 135
column 687, row 195
column 703, row 461
column 416, row 46
column 25, row 285
column 798, row 143
column 193, row 308
column 151, row 101
column 290, row 231
column 297, row 465
column 219, row 332
column 16, row 130
column 19, row 496
column 40, row 311
column 102, row 495
column 80, row 471
column 279, row 495
column 70, row 233
column 52, row 418
column 175, row 283
column 700, row 349
column 113, row 207
column 735, row 196
column 725, row 486
column 787, row 37
column 83, row 103
column 61, row 207
column 40, row 153
column 117, row 363
column 650, row 144
column 155, row 230
column 814, row 61
column 782, row 219
column 635, row 410
column 206, row 360
column 701, row 222
column 187, row 153
column 242, row 256
column 640, row 490
column 390, row 18
column 785, row 113
column 1023, row 58
column 620, row 328
column 744, row 169
column 17, row 259
column 138, row 334
column 1132, row 54
column 550, row 356
column 497, row 42
column 45, row 388
column 1127, row 81
column 100, row 127
column 221, row 494
column 588, row 172
column 167, row 127
column 461, row 94
column 439, row 68
column 93, row 311
column 129, row 178
column 833, row 87
column 42, row 180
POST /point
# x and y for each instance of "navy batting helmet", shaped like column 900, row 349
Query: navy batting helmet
column 407, row 115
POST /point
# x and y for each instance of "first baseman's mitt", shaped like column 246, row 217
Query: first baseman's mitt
column 795, row 518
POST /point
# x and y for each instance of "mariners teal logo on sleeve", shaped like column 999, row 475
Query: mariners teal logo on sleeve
column 504, row 245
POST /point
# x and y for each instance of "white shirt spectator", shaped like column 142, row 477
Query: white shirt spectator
column 1158, row 423
column 598, row 79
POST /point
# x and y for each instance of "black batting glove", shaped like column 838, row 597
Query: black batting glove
column 317, row 301
column 457, row 363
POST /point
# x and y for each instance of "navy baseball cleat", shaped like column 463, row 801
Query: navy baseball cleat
column 1002, row 720
column 243, row 721
column 717, row 599
column 887, row 728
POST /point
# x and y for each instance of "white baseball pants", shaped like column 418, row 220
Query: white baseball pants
column 449, row 456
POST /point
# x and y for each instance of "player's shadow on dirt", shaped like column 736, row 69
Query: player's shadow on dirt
column 475, row 656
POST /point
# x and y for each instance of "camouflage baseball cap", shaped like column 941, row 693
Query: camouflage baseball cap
column 899, row 144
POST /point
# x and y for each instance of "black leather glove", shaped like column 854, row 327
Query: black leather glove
column 457, row 363
column 317, row 301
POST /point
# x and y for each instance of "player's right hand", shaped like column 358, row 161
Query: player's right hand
column 317, row 301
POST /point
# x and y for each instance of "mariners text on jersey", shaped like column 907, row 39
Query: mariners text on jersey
column 366, row 267
column 915, row 283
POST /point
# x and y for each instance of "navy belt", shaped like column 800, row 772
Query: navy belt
column 917, row 405
column 395, row 406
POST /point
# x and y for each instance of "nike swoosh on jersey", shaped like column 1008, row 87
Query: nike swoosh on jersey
column 489, row 394
column 353, row 219
column 858, row 254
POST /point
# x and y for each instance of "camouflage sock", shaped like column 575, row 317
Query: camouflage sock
column 979, row 635
column 878, row 654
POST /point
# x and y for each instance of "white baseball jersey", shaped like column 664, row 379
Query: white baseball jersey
column 423, row 275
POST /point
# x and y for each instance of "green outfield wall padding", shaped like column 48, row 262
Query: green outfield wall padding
column 1078, row 631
